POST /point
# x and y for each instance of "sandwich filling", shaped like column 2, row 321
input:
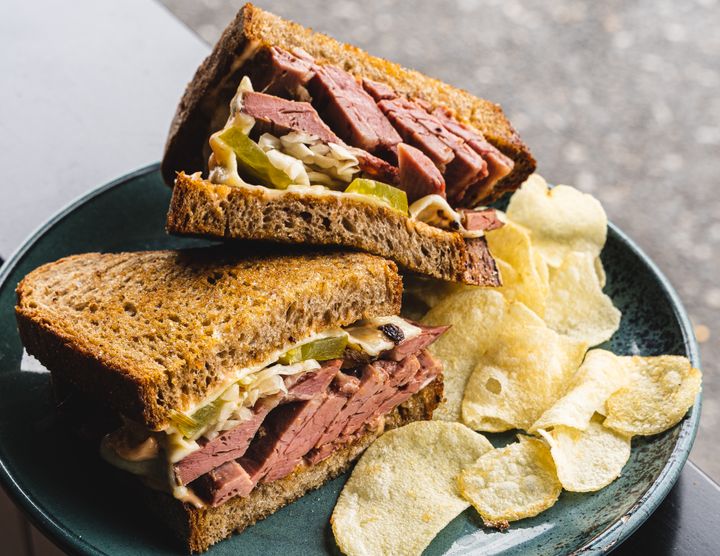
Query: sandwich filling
column 314, row 129
column 297, row 410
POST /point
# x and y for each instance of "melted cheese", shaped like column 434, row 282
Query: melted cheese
column 367, row 336
column 435, row 211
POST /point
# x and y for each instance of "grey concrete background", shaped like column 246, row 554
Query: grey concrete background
column 620, row 99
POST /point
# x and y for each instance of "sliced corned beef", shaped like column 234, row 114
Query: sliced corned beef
column 282, row 73
column 428, row 369
column 280, row 116
column 346, row 385
column 415, row 126
column 225, row 482
column 374, row 167
column 459, row 164
column 351, row 112
column 233, row 443
column 484, row 219
column 371, row 381
column 280, row 429
column 379, row 91
column 317, row 454
column 408, row 376
column 303, row 442
column 498, row 165
column 428, row 335
column 359, row 410
column 399, row 373
column 466, row 169
column 305, row 386
column 373, row 118
column 418, row 175
column 314, row 428
column 227, row 446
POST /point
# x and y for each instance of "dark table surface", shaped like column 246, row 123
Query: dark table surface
column 686, row 523
column 563, row 109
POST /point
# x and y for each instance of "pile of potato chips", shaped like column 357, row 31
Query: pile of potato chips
column 517, row 357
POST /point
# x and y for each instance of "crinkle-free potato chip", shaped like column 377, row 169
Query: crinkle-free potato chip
column 526, row 368
column 523, row 272
column 515, row 287
column 561, row 219
column 660, row 391
column 475, row 316
column 577, row 306
column 587, row 460
column 600, row 271
column 404, row 490
column 513, row 360
column 601, row 374
column 511, row 483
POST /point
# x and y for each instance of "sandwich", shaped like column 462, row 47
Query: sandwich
column 238, row 382
column 290, row 136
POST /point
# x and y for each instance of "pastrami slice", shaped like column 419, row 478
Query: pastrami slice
column 282, row 73
column 227, row 446
column 306, row 386
column 279, row 116
column 428, row 335
column 281, row 427
column 418, row 175
column 351, row 111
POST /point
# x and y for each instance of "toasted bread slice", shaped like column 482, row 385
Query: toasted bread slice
column 204, row 107
column 155, row 331
column 199, row 207
column 199, row 529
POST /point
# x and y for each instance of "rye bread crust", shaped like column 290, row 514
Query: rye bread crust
column 199, row 207
column 199, row 529
column 152, row 332
column 204, row 106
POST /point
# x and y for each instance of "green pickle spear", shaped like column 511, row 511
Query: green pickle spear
column 189, row 426
column 320, row 350
column 253, row 160
column 396, row 198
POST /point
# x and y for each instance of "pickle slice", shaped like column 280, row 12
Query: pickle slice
column 394, row 197
column 320, row 350
column 253, row 160
column 189, row 426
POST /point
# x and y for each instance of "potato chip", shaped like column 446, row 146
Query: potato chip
column 522, row 271
column 587, row 460
column 601, row 374
column 526, row 368
column 577, row 306
column 659, row 393
column 404, row 490
column 560, row 220
column 476, row 317
column 511, row 483
column 515, row 288
column 600, row 271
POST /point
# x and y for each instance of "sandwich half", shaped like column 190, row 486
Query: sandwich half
column 239, row 383
column 303, row 139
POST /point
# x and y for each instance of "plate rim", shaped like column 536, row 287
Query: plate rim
column 602, row 543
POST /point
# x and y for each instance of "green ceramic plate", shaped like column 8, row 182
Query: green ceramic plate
column 87, row 508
